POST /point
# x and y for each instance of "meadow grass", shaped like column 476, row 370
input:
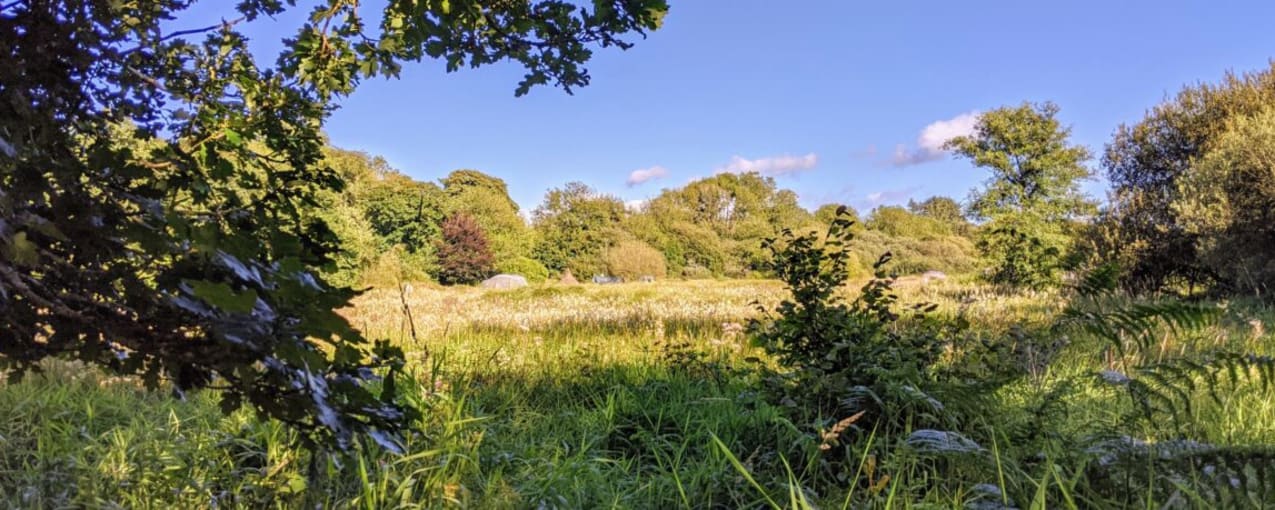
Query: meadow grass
column 619, row 396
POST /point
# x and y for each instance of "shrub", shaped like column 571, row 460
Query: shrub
column 533, row 270
column 842, row 357
column 463, row 254
column 697, row 272
column 634, row 259
column 396, row 265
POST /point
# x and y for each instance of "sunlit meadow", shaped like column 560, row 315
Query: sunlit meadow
column 555, row 396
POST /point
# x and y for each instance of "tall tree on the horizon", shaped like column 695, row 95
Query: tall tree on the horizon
column 1032, row 194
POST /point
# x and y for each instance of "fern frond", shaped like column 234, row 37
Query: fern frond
column 1139, row 324
column 1170, row 388
column 1212, row 476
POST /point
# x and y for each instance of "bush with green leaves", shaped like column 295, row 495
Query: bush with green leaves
column 840, row 356
column 632, row 260
column 529, row 268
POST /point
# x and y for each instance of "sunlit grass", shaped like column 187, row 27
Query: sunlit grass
column 577, row 397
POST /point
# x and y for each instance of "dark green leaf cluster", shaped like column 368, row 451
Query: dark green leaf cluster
column 1192, row 192
column 161, row 192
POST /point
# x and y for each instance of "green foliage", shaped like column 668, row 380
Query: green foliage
column 529, row 268
column 575, row 407
column 719, row 222
column 841, row 357
column 1151, row 166
column 944, row 210
column 633, row 260
column 486, row 199
column 1021, row 259
column 463, row 255
column 575, row 225
column 899, row 222
column 825, row 214
column 917, row 244
column 1033, row 193
column 1165, row 393
column 142, row 254
column 1227, row 204
column 404, row 212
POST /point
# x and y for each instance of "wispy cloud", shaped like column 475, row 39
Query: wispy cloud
column 772, row 166
column 843, row 195
column 642, row 175
column 929, row 145
column 636, row 205
column 877, row 198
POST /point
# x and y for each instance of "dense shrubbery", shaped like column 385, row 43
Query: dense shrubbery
column 846, row 357
column 920, row 391
column 632, row 260
column 385, row 215
column 532, row 269
column 1191, row 191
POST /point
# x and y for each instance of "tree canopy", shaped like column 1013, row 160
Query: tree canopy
column 1142, row 230
column 1032, row 194
column 191, row 250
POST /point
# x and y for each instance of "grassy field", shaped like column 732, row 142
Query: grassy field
column 636, row 396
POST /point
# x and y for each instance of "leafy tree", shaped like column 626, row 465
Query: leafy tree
column 828, row 212
column 1033, row 193
column 1227, row 203
column 899, row 222
column 1141, row 229
column 741, row 210
column 944, row 210
column 194, row 259
column 463, row 254
column 404, row 212
column 486, row 199
column 360, row 248
column 575, row 225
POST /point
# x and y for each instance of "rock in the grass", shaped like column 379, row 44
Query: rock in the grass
column 933, row 276
column 505, row 281
column 568, row 278
column 602, row 279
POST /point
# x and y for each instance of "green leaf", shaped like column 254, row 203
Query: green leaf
column 22, row 251
column 222, row 296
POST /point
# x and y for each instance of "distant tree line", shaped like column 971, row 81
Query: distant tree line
column 396, row 228
column 1190, row 210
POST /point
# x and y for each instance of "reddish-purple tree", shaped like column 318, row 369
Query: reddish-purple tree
column 463, row 254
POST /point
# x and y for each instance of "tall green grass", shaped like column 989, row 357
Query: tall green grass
column 649, row 408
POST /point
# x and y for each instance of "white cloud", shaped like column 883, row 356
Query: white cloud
column 642, row 175
column 636, row 205
column 772, row 166
column 929, row 145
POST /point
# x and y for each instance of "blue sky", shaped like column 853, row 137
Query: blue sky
column 822, row 94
